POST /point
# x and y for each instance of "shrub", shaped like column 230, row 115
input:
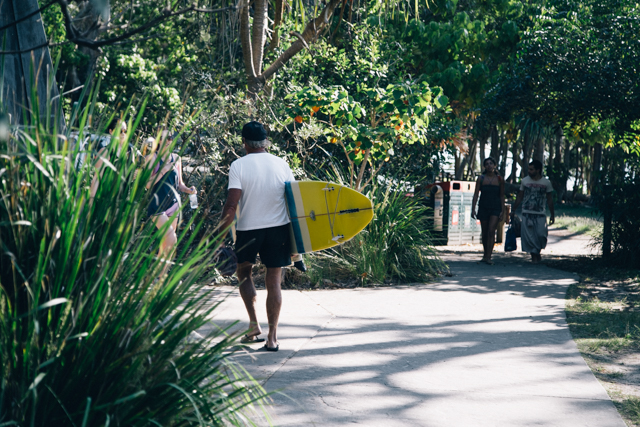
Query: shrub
column 396, row 245
column 90, row 332
column 623, row 201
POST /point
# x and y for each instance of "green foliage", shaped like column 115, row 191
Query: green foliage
column 631, row 408
column 576, row 61
column 371, row 123
column 133, row 74
column 396, row 245
column 623, row 201
column 91, row 332
column 578, row 219
column 362, row 56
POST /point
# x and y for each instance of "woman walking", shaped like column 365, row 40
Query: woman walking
column 491, row 209
column 166, row 180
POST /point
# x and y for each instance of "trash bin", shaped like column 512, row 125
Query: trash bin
column 451, row 204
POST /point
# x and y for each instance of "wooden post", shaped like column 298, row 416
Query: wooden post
column 31, row 67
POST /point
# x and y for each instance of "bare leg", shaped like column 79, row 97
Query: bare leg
column 274, row 303
column 249, row 295
column 484, row 225
column 491, row 236
column 168, row 241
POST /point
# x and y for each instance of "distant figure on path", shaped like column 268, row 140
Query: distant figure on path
column 534, row 192
column 165, row 182
column 256, row 184
column 490, row 185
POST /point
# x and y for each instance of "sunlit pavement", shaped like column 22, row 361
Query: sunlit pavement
column 488, row 346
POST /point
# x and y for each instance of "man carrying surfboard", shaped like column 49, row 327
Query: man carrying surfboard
column 257, row 192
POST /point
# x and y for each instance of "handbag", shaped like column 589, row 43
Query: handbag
column 226, row 261
column 510, row 243
column 517, row 225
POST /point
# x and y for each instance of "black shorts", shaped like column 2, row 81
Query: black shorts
column 484, row 213
column 273, row 244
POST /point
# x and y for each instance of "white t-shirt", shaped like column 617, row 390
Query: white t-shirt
column 535, row 195
column 261, row 177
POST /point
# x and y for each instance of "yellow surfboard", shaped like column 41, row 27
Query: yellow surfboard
column 324, row 214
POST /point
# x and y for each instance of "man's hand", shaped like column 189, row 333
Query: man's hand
column 229, row 209
column 473, row 213
column 552, row 219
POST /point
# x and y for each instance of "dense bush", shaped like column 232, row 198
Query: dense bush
column 91, row 332
column 623, row 201
column 395, row 246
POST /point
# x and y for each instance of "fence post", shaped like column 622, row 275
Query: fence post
column 606, row 226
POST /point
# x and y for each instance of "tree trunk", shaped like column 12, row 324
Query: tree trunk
column 595, row 170
column 456, row 166
column 527, row 146
column 258, row 33
column 88, row 22
column 277, row 22
column 552, row 152
column 514, row 163
column 483, row 143
column 247, row 51
column 18, row 68
column 504, row 153
column 252, row 41
column 579, row 173
column 556, row 171
column 538, row 149
column 472, row 157
column 586, row 170
column 495, row 142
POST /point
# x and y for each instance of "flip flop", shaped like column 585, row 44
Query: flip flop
column 251, row 339
column 276, row 348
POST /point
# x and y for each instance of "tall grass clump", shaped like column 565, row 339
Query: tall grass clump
column 395, row 246
column 91, row 332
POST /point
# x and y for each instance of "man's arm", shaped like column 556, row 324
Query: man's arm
column 552, row 219
column 229, row 209
column 502, row 205
column 517, row 202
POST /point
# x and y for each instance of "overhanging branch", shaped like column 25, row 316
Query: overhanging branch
column 307, row 37
column 78, row 39
column 40, row 46
column 166, row 14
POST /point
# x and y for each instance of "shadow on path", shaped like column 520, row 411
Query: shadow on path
column 488, row 346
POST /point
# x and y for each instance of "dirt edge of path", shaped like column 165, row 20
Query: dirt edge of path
column 603, row 313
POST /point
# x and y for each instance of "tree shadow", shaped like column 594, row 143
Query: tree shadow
column 478, row 344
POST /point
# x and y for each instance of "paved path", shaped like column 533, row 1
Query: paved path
column 488, row 346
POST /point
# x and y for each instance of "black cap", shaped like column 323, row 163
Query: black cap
column 254, row 131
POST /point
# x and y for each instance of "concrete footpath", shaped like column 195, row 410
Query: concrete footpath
column 488, row 346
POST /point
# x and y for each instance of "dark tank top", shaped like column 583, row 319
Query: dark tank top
column 163, row 195
column 490, row 197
